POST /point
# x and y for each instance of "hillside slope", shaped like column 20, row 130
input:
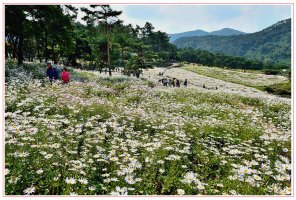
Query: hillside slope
column 75, row 138
column 272, row 44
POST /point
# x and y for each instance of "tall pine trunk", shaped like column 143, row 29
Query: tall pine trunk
column 20, row 53
column 108, row 48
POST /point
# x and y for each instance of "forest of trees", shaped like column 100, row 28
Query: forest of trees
column 192, row 55
column 50, row 32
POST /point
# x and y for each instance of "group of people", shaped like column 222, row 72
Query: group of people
column 173, row 82
column 53, row 73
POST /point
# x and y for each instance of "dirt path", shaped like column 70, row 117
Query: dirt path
column 200, row 81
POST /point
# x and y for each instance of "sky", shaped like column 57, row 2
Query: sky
column 181, row 18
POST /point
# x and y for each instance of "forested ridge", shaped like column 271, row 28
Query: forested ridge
column 224, row 32
column 272, row 44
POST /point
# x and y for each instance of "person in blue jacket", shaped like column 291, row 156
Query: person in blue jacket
column 58, row 68
column 51, row 73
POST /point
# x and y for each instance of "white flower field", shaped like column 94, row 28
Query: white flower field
column 126, row 136
column 237, row 76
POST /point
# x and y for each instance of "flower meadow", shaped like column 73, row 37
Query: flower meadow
column 126, row 136
column 254, row 79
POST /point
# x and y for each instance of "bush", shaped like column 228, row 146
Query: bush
column 283, row 89
column 271, row 71
column 78, row 76
column 151, row 84
column 37, row 69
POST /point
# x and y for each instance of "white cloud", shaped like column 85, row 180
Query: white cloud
column 180, row 18
column 127, row 20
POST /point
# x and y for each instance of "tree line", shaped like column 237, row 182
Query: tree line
column 199, row 56
column 50, row 32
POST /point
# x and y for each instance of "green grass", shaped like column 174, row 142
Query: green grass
column 250, row 78
column 282, row 89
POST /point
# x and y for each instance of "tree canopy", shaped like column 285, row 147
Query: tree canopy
column 102, row 41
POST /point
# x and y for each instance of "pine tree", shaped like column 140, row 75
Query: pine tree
column 102, row 15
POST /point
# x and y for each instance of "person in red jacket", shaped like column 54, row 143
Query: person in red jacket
column 65, row 75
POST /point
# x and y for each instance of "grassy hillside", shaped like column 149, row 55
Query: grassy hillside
column 248, row 78
column 271, row 83
column 118, row 136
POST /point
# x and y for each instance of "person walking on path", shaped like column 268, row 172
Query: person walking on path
column 65, row 75
column 178, row 83
column 174, row 82
column 170, row 82
column 165, row 82
column 185, row 83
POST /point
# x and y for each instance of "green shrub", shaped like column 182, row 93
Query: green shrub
column 283, row 89
column 271, row 71
column 151, row 84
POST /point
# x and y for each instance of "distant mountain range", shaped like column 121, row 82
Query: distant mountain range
column 222, row 32
column 272, row 44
